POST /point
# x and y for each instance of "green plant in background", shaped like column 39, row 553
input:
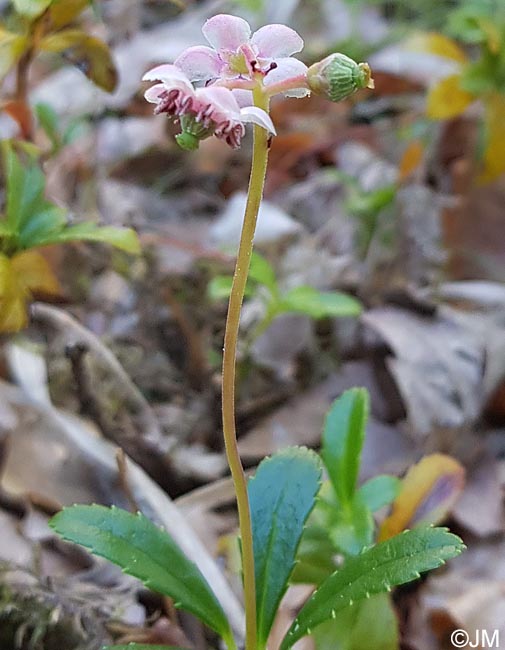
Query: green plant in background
column 342, row 523
column 35, row 27
column 262, row 282
column 29, row 223
column 274, row 505
column 481, row 76
column 59, row 136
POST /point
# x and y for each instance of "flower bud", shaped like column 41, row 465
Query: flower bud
column 337, row 76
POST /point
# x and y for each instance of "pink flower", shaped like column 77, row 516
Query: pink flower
column 202, row 112
column 237, row 56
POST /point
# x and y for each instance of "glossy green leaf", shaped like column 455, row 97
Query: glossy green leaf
column 262, row 271
column 368, row 623
column 281, row 495
column 146, row 552
column 125, row 239
column 31, row 8
column 380, row 491
column 90, row 54
column 396, row 561
column 319, row 304
column 343, row 437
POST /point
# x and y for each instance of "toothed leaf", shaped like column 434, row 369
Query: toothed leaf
column 343, row 437
column 394, row 562
column 146, row 552
column 281, row 496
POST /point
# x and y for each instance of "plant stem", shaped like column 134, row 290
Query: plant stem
column 255, row 192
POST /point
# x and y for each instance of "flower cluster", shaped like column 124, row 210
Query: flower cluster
column 209, row 90
column 202, row 112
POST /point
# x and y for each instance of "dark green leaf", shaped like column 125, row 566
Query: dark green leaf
column 319, row 304
column 343, row 437
column 396, row 561
column 146, row 552
column 281, row 495
column 380, row 491
column 368, row 623
column 125, row 239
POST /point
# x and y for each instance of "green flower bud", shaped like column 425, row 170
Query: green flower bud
column 337, row 76
column 192, row 132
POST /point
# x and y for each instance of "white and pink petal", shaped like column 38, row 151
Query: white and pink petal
column 272, row 41
column 168, row 74
column 200, row 63
column 289, row 77
column 257, row 116
column 154, row 93
column 226, row 32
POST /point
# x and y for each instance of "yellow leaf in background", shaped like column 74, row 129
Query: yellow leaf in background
column 91, row 55
column 21, row 276
column 494, row 153
column 447, row 99
column 63, row 12
column 436, row 43
column 411, row 159
column 429, row 490
column 34, row 272
column 12, row 47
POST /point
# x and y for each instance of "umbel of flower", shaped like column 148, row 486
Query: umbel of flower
column 338, row 76
column 209, row 90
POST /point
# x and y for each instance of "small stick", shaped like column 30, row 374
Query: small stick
column 122, row 468
column 66, row 323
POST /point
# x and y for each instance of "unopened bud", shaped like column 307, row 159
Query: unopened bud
column 337, row 76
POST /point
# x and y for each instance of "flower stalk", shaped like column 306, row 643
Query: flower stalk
column 216, row 91
column 255, row 192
